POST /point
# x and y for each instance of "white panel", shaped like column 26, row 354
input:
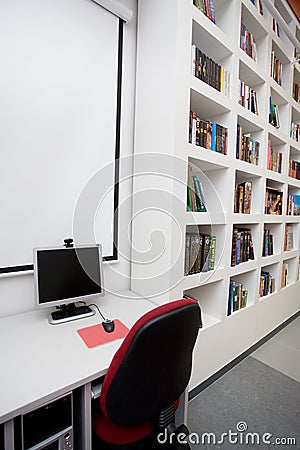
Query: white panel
column 58, row 88
column 116, row 8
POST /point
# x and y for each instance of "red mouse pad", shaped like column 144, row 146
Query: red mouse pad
column 96, row 335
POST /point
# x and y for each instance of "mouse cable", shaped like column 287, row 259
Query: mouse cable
column 96, row 306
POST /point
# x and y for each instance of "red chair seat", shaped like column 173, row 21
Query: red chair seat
column 118, row 434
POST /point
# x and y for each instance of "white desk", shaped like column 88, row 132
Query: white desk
column 40, row 361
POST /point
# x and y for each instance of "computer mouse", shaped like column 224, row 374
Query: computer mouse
column 108, row 325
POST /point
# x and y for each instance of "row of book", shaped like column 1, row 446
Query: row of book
column 294, row 169
column 242, row 198
column 242, row 246
column 238, row 297
column 247, row 149
column 247, row 97
column 207, row 7
column 274, row 114
column 267, row 243
column 200, row 250
column 207, row 134
column 296, row 92
column 209, row 71
column 195, row 196
column 293, row 205
column 295, row 131
column 248, row 44
column 273, row 203
column 267, row 284
column 274, row 159
column 276, row 68
column 288, row 243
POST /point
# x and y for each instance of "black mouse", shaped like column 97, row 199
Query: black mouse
column 108, row 325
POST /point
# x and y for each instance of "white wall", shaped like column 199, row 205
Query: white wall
column 16, row 291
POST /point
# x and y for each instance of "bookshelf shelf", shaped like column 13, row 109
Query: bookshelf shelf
column 251, row 168
column 243, row 268
column 293, row 182
column 257, row 121
column 208, row 157
column 212, row 42
column 272, row 259
column 177, row 29
column 249, row 123
column 204, row 278
column 209, row 293
column 242, row 292
column 210, row 106
column 269, row 280
column 289, row 271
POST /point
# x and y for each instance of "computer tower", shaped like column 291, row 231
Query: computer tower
column 49, row 427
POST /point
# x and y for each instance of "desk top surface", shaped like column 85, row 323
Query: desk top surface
column 40, row 361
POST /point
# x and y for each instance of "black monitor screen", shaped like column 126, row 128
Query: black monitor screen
column 63, row 275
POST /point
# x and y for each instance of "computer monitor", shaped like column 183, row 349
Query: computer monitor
column 66, row 276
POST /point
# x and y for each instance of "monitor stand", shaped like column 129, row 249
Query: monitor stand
column 66, row 313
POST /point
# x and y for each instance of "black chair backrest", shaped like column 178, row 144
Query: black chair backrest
column 152, row 367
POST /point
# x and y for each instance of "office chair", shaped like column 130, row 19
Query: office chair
column 146, row 378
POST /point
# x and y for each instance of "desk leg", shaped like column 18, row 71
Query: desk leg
column 182, row 410
column 83, row 412
column 9, row 440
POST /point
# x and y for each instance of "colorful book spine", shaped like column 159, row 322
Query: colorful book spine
column 209, row 71
column 207, row 8
column 238, row 297
column 200, row 253
column 242, row 246
column 206, row 134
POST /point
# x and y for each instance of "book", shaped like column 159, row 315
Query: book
column 212, row 253
column 267, row 243
column 294, row 169
column 267, row 284
column 195, row 254
column 206, row 134
column 247, row 97
column 284, row 274
column 209, row 71
column 247, row 197
column 247, row 149
column 296, row 204
column 207, row 8
column 242, row 246
column 274, row 115
column 248, row 42
column 205, row 252
column 288, row 238
column 200, row 253
column 237, row 298
column 295, row 131
column 273, row 204
column 274, row 159
column 242, row 198
column 195, row 196
column 187, row 254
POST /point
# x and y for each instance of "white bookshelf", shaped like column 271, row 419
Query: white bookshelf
column 166, row 93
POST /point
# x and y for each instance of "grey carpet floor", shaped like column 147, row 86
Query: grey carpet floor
column 262, row 398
